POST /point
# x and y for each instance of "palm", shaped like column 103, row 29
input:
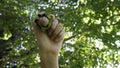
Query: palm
column 48, row 45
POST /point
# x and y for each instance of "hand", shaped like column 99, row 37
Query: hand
column 49, row 42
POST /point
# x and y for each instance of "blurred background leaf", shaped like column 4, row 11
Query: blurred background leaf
column 92, row 39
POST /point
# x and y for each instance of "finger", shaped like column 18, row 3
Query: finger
column 60, row 36
column 56, row 31
column 52, row 28
column 43, row 21
column 36, row 29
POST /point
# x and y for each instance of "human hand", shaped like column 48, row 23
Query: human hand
column 49, row 41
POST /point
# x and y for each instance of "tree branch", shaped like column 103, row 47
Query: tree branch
column 69, row 38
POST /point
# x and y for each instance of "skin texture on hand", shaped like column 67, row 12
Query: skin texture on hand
column 49, row 42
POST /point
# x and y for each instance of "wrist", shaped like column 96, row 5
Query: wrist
column 49, row 60
column 48, row 52
column 48, row 55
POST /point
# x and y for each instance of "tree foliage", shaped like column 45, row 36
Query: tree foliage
column 92, row 32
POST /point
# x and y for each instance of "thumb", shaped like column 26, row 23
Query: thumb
column 36, row 29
